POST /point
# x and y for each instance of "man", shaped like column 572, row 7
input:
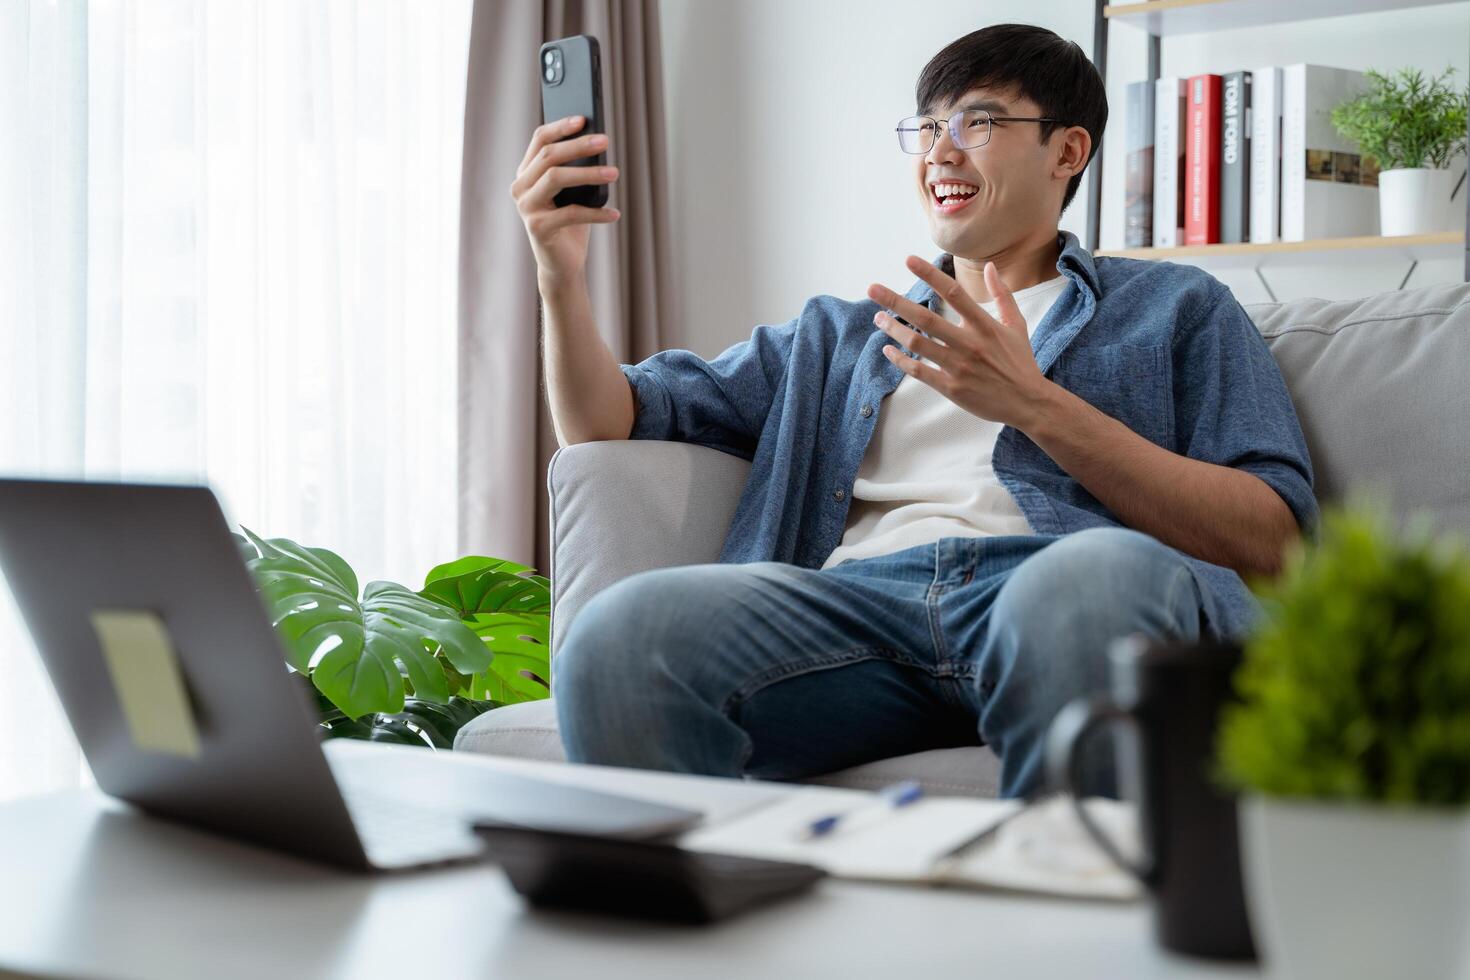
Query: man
column 958, row 495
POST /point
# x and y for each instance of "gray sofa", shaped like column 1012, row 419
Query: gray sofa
column 1382, row 386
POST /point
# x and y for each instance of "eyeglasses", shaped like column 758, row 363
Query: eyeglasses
column 968, row 129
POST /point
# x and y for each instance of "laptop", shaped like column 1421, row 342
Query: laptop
column 176, row 686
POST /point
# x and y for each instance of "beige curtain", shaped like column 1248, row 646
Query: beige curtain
column 505, row 432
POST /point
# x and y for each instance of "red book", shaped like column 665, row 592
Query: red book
column 1202, row 160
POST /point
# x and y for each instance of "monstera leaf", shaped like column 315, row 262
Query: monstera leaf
column 511, row 613
column 420, row 723
column 363, row 654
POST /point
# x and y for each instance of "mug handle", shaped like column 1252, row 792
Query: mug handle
column 1071, row 727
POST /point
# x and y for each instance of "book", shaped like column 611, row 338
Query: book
column 1265, row 153
column 1235, row 160
column 1328, row 190
column 1169, row 116
column 1202, row 161
column 1138, row 167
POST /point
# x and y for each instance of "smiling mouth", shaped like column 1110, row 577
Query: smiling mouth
column 952, row 193
column 951, row 196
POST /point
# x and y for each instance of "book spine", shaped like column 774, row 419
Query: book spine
column 1181, row 116
column 1202, row 162
column 1235, row 161
column 1168, row 147
column 1293, row 152
column 1138, row 206
column 1265, row 154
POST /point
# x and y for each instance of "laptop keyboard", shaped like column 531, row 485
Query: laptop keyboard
column 398, row 835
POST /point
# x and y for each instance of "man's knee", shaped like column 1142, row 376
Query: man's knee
column 1093, row 586
column 1059, row 611
column 637, row 678
column 608, row 642
column 668, row 631
column 601, row 666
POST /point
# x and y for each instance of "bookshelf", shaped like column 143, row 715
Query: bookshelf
column 1158, row 19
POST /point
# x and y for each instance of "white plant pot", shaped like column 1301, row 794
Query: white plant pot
column 1346, row 891
column 1416, row 201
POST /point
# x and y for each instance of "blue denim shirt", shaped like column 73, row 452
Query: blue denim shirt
column 1164, row 348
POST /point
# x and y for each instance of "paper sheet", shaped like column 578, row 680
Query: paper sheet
column 901, row 847
column 1047, row 850
column 1044, row 850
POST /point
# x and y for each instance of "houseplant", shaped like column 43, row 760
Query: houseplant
column 1351, row 748
column 397, row 665
column 1413, row 126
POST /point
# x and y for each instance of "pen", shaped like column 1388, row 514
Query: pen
column 889, row 798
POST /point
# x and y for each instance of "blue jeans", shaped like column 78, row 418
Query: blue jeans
column 775, row 671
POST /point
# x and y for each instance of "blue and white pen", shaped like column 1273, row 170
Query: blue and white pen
column 889, row 798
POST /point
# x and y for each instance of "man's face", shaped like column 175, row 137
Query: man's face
column 1005, row 187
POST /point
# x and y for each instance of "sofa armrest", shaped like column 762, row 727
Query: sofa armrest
column 625, row 506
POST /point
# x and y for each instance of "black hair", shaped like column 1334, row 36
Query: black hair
column 1028, row 60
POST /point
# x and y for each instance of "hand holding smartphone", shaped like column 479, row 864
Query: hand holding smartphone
column 561, row 184
column 571, row 85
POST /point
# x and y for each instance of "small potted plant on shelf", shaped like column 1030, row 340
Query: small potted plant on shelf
column 1350, row 747
column 1413, row 127
column 398, row 665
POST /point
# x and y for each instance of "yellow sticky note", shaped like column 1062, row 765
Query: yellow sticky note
column 150, row 686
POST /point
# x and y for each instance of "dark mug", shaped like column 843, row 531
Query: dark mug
column 1168, row 697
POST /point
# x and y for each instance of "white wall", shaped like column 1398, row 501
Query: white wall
column 786, row 179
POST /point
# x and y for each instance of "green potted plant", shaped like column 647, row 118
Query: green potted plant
column 1412, row 126
column 397, row 665
column 1350, row 747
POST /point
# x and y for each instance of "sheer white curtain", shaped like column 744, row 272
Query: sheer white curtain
column 228, row 248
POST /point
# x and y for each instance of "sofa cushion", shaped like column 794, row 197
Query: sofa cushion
column 528, row 731
column 1379, row 386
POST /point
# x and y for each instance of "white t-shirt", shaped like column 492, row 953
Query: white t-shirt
column 926, row 473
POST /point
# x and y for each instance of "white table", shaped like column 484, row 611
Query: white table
column 90, row 888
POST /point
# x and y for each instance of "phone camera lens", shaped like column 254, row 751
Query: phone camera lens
column 550, row 57
column 550, row 74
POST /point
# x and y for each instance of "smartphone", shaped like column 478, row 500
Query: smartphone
column 571, row 85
